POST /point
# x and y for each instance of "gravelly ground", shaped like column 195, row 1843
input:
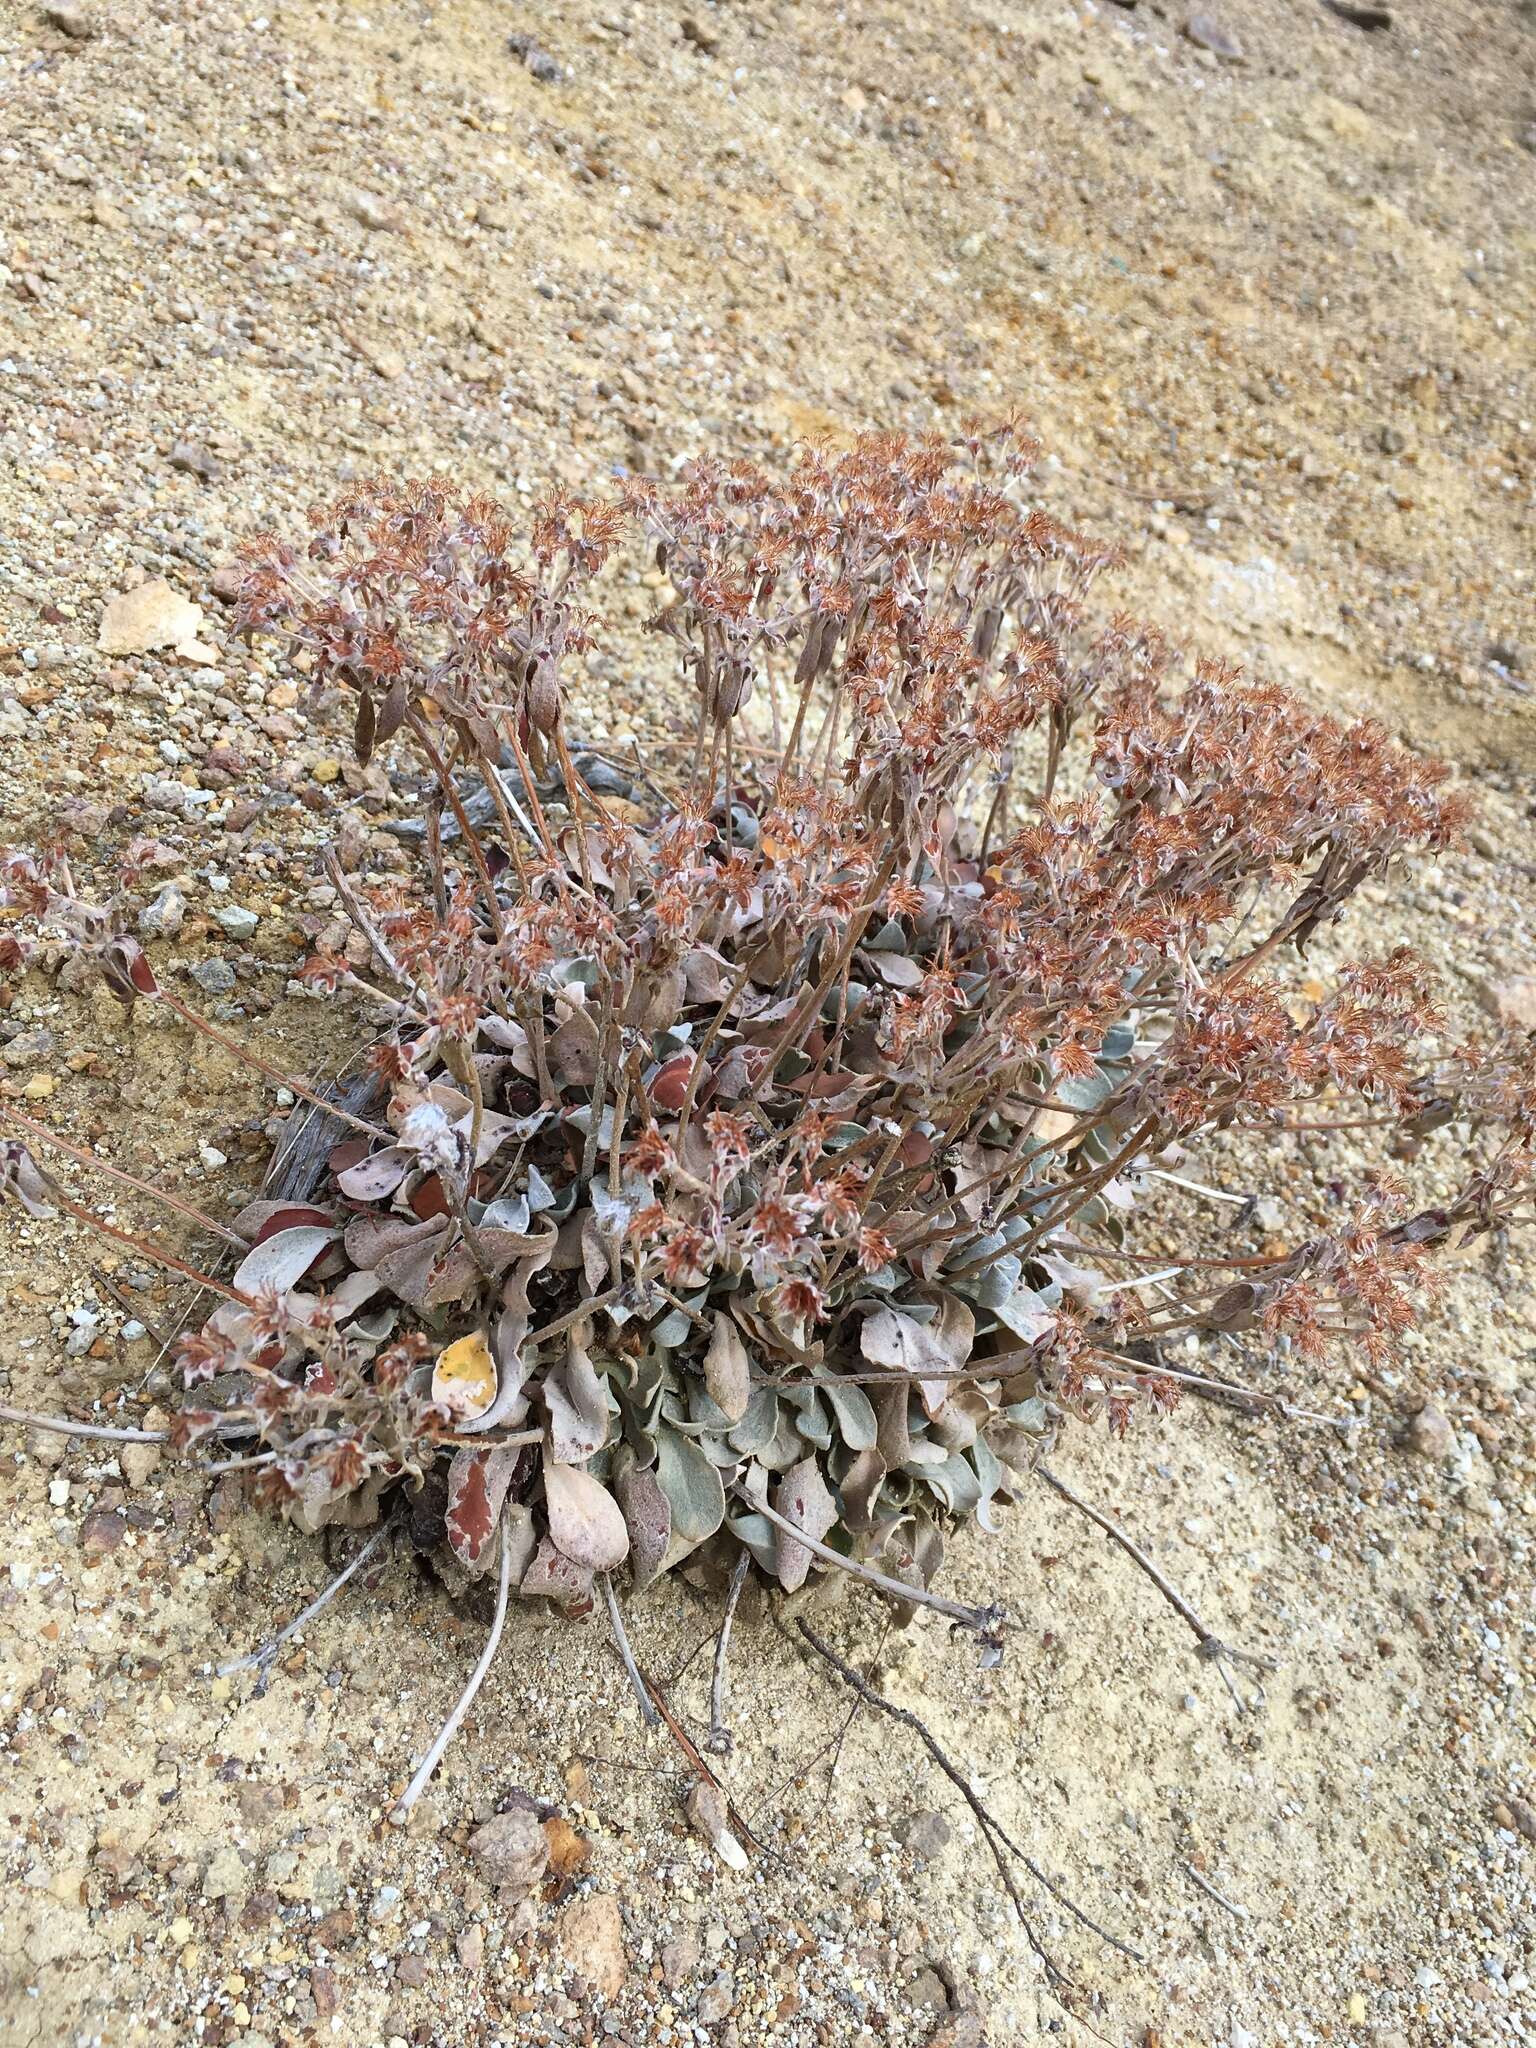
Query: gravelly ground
column 1273, row 318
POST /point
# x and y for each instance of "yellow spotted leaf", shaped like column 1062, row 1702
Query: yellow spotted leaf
column 464, row 1377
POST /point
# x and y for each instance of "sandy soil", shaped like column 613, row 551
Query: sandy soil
column 1273, row 318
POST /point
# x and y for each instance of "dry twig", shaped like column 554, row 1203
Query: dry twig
column 60, row 1425
column 719, row 1743
column 1210, row 1646
column 648, row 1713
column 690, row 1749
column 992, row 1832
column 1237, row 1911
column 450, row 1727
column 268, row 1651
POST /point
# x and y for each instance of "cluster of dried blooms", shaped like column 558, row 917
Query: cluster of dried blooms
column 752, row 1162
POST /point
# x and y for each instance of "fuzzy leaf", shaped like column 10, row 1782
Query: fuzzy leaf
column 503, row 1248
column 584, row 1518
column 1084, row 1283
column 511, row 1328
column 647, row 1516
column 727, row 1372
column 759, row 1423
column 903, row 1344
column 409, row 1272
column 989, row 1475
column 453, row 1278
column 391, row 712
column 352, row 1292
column 668, row 1086
column 801, row 1497
column 955, row 1484
column 495, row 1131
column 996, row 1284
column 895, row 1438
column 692, row 1486
column 594, row 1253
column 786, row 1446
column 760, row 1537
column 554, row 1576
column 364, row 730
column 672, row 1330
column 21, row 1176
column 573, row 1050
column 708, row 974
column 899, row 969
column 282, row 1260
column 1026, row 1314
column 860, row 1490
column 126, row 971
column 370, row 1238
column 1084, row 1091
column 811, row 1419
column 577, row 1409
column 258, row 1221
column 855, row 1416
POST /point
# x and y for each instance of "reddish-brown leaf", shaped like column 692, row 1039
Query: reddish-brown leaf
column 347, row 1153
column 477, row 1490
column 291, row 1219
column 669, row 1084
column 142, row 975
column 428, row 1200
column 364, row 729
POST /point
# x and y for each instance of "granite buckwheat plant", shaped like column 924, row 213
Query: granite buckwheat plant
column 752, row 1156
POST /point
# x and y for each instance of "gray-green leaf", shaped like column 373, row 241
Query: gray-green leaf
column 855, row 1415
column 692, row 1487
column 727, row 1371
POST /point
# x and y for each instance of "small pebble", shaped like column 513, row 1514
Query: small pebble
column 1208, row 33
column 511, row 1849
column 1430, row 1434
column 76, row 22
column 163, row 918
column 239, row 922
column 215, row 977
column 536, row 60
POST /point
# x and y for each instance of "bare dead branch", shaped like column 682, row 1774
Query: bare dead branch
column 719, row 1743
column 648, row 1713
column 268, row 1651
column 997, row 1841
column 60, row 1425
column 1209, row 1645
column 450, row 1727
column 690, row 1749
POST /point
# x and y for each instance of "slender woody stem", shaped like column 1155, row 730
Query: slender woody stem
column 466, row 1699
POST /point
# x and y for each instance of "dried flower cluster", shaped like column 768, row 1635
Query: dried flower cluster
column 754, row 1143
